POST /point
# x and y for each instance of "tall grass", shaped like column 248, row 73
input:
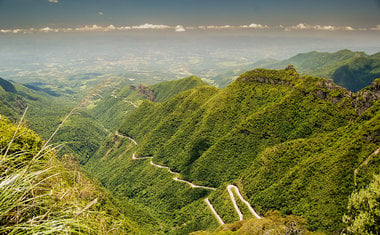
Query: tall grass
column 40, row 194
column 28, row 197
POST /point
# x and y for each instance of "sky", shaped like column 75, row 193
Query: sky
column 188, row 14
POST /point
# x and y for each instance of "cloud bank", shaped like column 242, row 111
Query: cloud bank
column 304, row 26
column 181, row 28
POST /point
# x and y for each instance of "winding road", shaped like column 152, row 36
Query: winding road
column 175, row 178
column 123, row 136
column 229, row 188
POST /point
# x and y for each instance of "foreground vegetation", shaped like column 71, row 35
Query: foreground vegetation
column 41, row 194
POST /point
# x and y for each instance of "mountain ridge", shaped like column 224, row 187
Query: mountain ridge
column 350, row 69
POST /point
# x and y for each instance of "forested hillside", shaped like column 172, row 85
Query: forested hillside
column 290, row 142
column 296, row 146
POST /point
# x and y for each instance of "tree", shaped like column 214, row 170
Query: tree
column 364, row 210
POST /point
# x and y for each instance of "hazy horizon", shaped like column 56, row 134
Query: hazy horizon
column 166, row 55
column 54, row 40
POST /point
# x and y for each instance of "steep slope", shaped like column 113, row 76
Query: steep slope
column 315, row 175
column 215, row 137
column 171, row 203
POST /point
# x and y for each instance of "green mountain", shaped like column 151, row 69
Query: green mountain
column 290, row 143
column 349, row 69
column 352, row 70
column 295, row 146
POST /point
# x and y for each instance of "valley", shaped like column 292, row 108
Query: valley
column 183, row 156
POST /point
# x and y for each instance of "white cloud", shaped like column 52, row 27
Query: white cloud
column 205, row 27
column 377, row 28
column 100, row 13
column 151, row 26
column 124, row 28
column 48, row 29
column 180, row 28
column 53, row 1
column 66, row 30
column 13, row 31
column 90, row 28
column 110, row 27
column 255, row 26
column 324, row 27
column 299, row 26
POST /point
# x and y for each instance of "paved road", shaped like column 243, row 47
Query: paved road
column 214, row 212
column 172, row 172
column 120, row 135
column 229, row 188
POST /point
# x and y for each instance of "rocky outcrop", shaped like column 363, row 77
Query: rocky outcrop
column 145, row 90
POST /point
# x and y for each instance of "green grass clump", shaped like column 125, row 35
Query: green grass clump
column 41, row 195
